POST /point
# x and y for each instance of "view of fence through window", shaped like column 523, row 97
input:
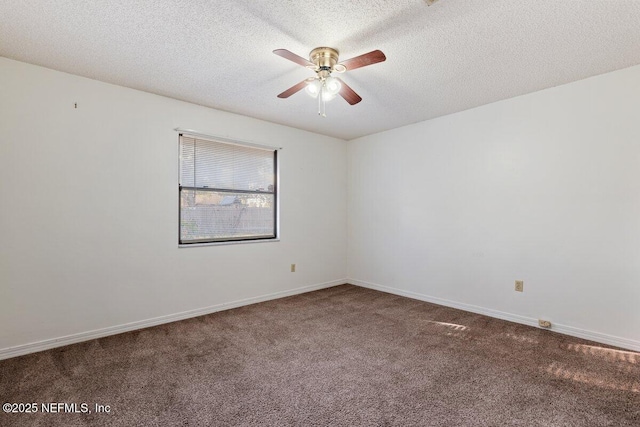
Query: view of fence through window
column 227, row 191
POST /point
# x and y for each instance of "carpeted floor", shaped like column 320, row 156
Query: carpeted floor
column 344, row 356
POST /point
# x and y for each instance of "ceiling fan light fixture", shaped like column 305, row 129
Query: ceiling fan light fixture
column 314, row 88
column 332, row 85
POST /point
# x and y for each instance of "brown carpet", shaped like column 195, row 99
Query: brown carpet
column 344, row 356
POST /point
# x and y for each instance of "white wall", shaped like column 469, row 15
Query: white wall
column 544, row 188
column 89, row 211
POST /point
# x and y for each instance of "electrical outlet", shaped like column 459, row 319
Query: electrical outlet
column 293, row 268
column 544, row 323
column 519, row 285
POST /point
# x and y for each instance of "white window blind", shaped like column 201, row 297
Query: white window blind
column 227, row 191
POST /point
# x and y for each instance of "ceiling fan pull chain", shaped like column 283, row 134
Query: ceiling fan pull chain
column 321, row 102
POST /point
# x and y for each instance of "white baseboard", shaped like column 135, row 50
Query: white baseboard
column 563, row 329
column 34, row 347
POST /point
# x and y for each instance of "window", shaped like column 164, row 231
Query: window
column 227, row 191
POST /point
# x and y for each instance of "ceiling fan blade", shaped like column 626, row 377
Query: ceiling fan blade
column 293, row 89
column 293, row 57
column 348, row 94
column 372, row 57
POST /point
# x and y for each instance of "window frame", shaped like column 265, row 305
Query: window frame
column 275, row 192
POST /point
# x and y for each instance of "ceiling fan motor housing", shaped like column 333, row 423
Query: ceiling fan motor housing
column 325, row 58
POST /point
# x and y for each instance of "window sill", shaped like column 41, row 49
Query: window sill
column 231, row 242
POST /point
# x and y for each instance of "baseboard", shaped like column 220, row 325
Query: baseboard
column 563, row 329
column 34, row 347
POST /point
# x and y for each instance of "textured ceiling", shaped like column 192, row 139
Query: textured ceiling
column 454, row 55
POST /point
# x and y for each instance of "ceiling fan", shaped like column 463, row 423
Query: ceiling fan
column 324, row 61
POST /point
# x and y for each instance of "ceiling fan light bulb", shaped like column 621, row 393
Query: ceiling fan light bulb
column 313, row 88
column 332, row 85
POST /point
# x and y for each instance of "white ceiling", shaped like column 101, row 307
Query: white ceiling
column 454, row 55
